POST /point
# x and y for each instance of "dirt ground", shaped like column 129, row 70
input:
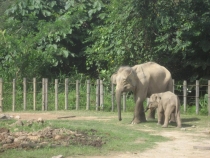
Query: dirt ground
column 183, row 144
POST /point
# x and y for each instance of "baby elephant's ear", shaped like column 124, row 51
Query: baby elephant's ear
column 158, row 98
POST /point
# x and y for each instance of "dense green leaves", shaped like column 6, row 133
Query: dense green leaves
column 172, row 33
column 44, row 38
column 46, row 35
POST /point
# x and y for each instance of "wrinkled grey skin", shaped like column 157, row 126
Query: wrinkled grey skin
column 143, row 80
column 166, row 103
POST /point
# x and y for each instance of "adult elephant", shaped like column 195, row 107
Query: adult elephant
column 143, row 80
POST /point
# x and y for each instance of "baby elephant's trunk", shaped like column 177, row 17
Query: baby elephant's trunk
column 146, row 109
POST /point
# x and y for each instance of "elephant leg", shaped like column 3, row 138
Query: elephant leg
column 168, row 113
column 160, row 117
column 151, row 114
column 178, row 120
column 172, row 119
column 139, row 115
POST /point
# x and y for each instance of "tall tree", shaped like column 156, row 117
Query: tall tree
column 172, row 33
column 42, row 38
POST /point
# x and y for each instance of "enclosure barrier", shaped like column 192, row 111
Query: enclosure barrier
column 183, row 91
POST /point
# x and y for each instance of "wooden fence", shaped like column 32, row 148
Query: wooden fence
column 181, row 90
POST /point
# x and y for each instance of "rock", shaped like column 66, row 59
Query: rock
column 16, row 140
column 43, row 144
column 29, row 123
column 2, row 130
column 183, row 129
column 34, row 138
column 59, row 156
column 17, row 117
column 3, row 116
column 9, row 139
column 21, row 138
column 40, row 120
column 57, row 137
column 19, row 123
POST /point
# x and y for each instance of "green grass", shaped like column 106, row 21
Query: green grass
column 119, row 136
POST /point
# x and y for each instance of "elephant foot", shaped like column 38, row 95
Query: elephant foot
column 179, row 126
column 172, row 121
column 164, row 126
column 137, row 121
column 150, row 118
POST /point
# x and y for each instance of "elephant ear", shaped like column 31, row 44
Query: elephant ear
column 131, row 77
column 152, row 98
column 113, row 78
column 158, row 98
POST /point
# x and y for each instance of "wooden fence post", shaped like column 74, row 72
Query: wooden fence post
column 209, row 97
column 97, row 94
column 13, row 94
column 24, row 93
column 1, row 95
column 112, row 93
column 124, row 101
column 56, row 94
column 77, row 94
column 185, row 94
column 197, row 96
column 43, row 95
column 88, row 95
column 34, row 94
column 46, row 94
column 101, row 95
column 66, row 92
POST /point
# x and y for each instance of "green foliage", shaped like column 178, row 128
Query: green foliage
column 203, row 101
column 45, row 36
column 113, row 133
column 172, row 33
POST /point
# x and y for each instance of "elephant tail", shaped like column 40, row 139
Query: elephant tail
column 170, row 85
column 177, row 106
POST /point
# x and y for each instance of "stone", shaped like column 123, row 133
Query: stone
column 59, row 156
column 2, row 130
column 40, row 120
column 57, row 137
column 3, row 116
column 19, row 123
column 17, row 117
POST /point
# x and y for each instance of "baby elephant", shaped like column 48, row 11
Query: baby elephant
column 166, row 104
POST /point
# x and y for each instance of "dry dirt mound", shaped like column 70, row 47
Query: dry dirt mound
column 47, row 137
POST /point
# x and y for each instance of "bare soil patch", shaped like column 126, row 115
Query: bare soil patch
column 191, row 142
column 51, row 137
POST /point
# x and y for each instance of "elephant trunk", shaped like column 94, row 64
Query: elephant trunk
column 146, row 109
column 118, row 99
